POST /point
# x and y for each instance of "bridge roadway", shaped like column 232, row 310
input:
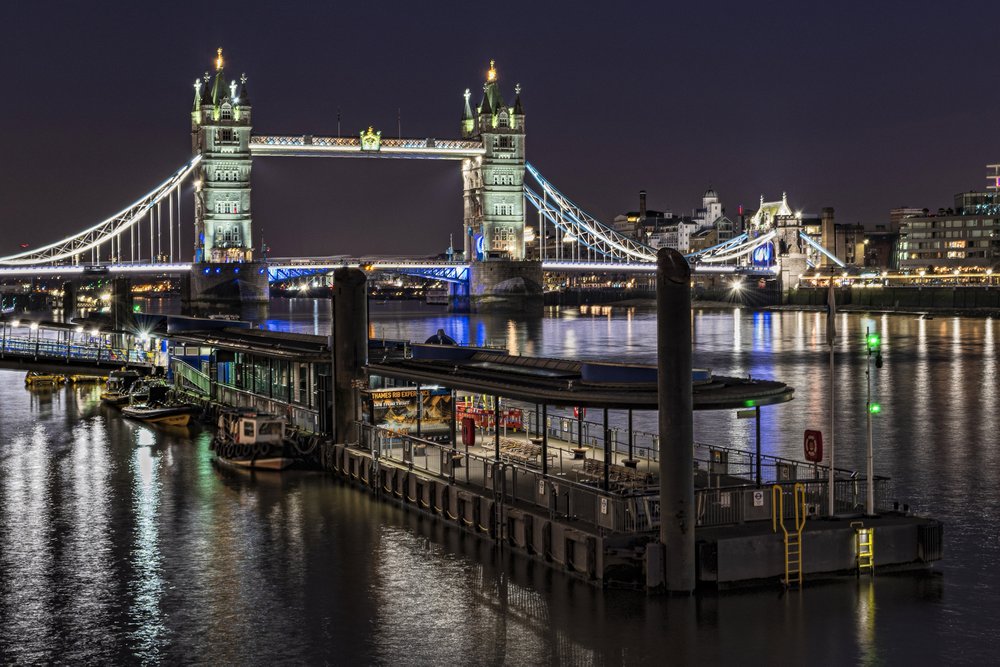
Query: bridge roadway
column 280, row 269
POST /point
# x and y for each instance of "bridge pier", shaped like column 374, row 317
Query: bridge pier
column 503, row 286
column 226, row 285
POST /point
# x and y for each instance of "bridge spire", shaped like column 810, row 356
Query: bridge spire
column 218, row 60
column 468, row 123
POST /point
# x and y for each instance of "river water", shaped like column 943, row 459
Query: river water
column 123, row 543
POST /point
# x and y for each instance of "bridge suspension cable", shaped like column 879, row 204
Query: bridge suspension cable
column 575, row 226
column 111, row 230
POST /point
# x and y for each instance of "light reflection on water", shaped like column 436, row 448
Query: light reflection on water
column 120, row 543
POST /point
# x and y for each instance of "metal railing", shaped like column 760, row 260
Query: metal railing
column 42, row 349
column 508, row 482
column 731, row 499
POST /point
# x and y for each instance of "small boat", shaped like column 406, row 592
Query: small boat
column 116, row 389
column 156, row 405
column 165, row 415
column 251, row 439
column 36, row 379
column 87, row 379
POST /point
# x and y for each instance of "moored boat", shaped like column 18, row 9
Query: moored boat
column 165, row 415
column 116, row 389
column 153, row 403
column 36, row 379
column 87, row 379
column 251, row 439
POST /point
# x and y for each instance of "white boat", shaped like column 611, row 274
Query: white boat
column 251, row 439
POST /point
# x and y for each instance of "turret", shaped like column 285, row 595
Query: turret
column 468, row 122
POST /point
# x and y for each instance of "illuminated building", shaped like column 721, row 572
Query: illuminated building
column 966, row 236
column 493, row 183
column 220, row 132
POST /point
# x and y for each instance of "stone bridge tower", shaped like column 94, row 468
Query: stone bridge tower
column 494, row 202
column 494, row 243
column 224, row 271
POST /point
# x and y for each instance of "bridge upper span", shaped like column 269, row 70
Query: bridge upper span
column 368, row 144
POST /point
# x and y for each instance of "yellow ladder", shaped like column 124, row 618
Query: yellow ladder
column 865, row 547
column 792, row 538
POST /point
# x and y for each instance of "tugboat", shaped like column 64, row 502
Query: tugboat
column 116, row 390
column 250, row 439
column 36, row 379
column 158, row 407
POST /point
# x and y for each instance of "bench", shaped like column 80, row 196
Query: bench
column 619, row 477
column 522, row 452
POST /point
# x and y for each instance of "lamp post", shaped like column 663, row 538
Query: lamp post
column 873, row 344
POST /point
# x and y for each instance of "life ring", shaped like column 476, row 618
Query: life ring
column 307, row 446
column 261, row 450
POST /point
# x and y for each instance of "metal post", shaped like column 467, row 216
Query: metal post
column 607, row 453
column 631, row 435
column 831, row 510
column 758, row 445
column 675, row 403
column 159, row 229
column 869, row 471
column 545, row 440
column 579, row 428
column 454, row 422
column 496, row 427
column 420, row 410
column 170, row 224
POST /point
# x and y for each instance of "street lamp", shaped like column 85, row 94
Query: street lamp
column 873, row 344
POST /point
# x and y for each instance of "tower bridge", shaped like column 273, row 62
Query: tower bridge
column 502, row 258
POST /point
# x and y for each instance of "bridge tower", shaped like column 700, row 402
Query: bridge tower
column 494, row 244
column 224, row 270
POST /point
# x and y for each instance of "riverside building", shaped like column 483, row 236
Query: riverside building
column 965, row 237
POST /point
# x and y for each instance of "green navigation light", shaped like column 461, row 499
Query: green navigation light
column 873, row 341
column 874, row 408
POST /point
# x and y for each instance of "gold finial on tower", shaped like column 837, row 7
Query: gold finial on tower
column 491, row 76
column 218, row 60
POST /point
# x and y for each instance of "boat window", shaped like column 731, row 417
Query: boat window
column 248, row 428
column 271, row 428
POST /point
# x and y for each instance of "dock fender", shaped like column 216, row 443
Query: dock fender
column 546, row 540
column 529, row 533
column 487, row 522
column 591, row 557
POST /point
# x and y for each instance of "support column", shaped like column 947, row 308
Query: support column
column 350, row 353
column 545, row 440
column 674, row 387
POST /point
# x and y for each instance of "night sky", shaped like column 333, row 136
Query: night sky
column 860, row 106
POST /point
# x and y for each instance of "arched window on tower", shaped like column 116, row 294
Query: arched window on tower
column 227, row 112
column 502, row 120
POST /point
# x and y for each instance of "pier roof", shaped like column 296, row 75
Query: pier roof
column 275, row 344
column 564, row 382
